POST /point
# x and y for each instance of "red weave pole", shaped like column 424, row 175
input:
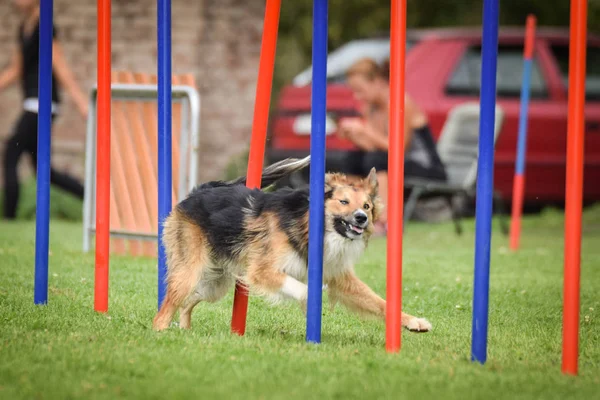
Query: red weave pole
column 103, row 159
column 519, row 179
column 517, row 210
column 574, row 185
column 396, row 176
column 259, row 136
column 529, row 37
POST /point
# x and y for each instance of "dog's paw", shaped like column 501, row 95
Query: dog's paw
column 159, row 328
column 160, row 324
column 418, row 325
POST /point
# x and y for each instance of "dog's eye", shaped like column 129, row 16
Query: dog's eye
column 366, row 206
column 344, row 202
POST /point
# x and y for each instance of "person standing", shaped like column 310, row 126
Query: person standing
column 23, row 68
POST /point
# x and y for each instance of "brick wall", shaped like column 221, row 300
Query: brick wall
column 216, row 40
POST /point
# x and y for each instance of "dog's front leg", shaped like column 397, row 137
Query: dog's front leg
column 360, row 298
column 265, row 279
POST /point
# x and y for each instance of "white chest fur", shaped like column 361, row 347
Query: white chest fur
column 339, row 255
column 294, row 266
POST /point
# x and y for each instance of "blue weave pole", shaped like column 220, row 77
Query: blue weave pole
column 522, row 141
column 485, row 181
column 42, row 210
column 164, row 135
column 317, row 172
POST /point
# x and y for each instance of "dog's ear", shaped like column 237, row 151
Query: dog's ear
column 372, row 183
column 372, row 186
column 328, row 185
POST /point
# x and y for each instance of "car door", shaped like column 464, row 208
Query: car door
column 463, row 84
column 559, row 50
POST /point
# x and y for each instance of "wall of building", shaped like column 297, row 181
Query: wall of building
column 216, row 40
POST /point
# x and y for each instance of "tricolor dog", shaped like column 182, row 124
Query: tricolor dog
column 224, row 231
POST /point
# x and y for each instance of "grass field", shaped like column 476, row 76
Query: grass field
column 65, row 350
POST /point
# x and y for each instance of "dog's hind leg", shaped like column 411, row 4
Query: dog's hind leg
column 186, row 257
column 185, row 313
column 168, row 308
column 210, row 290
column 179, row 288
column 180, row 285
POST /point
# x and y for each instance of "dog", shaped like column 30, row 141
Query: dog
column 224, row 231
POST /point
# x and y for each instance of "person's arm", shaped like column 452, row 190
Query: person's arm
column 354, row 130
column 409, row 110
column 363, row 141
column 369, row 138
column 66, row 78
column 377, row 139
column 12, row 72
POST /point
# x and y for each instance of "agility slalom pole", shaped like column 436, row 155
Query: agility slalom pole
column 485, row 181
column 103, row 159
column 259, row 136
column 317, row 172
column 165, row 166
column 42, row 211
column 519, row 179
column 574, row 185
column 395, row 199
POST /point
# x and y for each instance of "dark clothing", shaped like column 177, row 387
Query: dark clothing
column 23, row 140
column 420, row 161
column 25, row 134
column 30, row 52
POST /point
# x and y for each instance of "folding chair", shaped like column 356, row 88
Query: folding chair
column 458, row 148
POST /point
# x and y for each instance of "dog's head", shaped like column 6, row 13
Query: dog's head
column 352, row 205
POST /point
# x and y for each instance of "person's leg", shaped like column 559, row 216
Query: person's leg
column 66, row 182
column 15, row 146
column 62, row 180
column 416, row 170
column 436, row 170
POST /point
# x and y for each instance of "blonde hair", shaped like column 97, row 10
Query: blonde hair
column 368, row 68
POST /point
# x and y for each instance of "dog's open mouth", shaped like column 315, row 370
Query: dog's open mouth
column 350, row 228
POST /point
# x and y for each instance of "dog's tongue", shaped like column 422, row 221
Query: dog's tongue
column 356, row 229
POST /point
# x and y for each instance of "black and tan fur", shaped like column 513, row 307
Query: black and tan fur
column 224, row 231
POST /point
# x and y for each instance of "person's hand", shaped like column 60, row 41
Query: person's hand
column 349, row 128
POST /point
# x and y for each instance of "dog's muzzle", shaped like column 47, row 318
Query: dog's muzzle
column 359, row 222
column 353, row 226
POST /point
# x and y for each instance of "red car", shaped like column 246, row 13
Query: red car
column 443, row 70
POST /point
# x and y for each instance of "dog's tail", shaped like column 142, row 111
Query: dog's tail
column 277, row 171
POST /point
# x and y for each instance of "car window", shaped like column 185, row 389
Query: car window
column 466, row 78
column 592, row 76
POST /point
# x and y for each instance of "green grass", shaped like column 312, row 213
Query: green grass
column 65, row 350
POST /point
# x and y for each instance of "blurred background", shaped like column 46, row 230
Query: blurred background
column 218, row 41
column 354, row 19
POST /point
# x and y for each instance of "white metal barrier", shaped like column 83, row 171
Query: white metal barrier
column 190, row 135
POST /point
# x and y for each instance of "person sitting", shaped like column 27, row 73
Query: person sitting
column 370, row 84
